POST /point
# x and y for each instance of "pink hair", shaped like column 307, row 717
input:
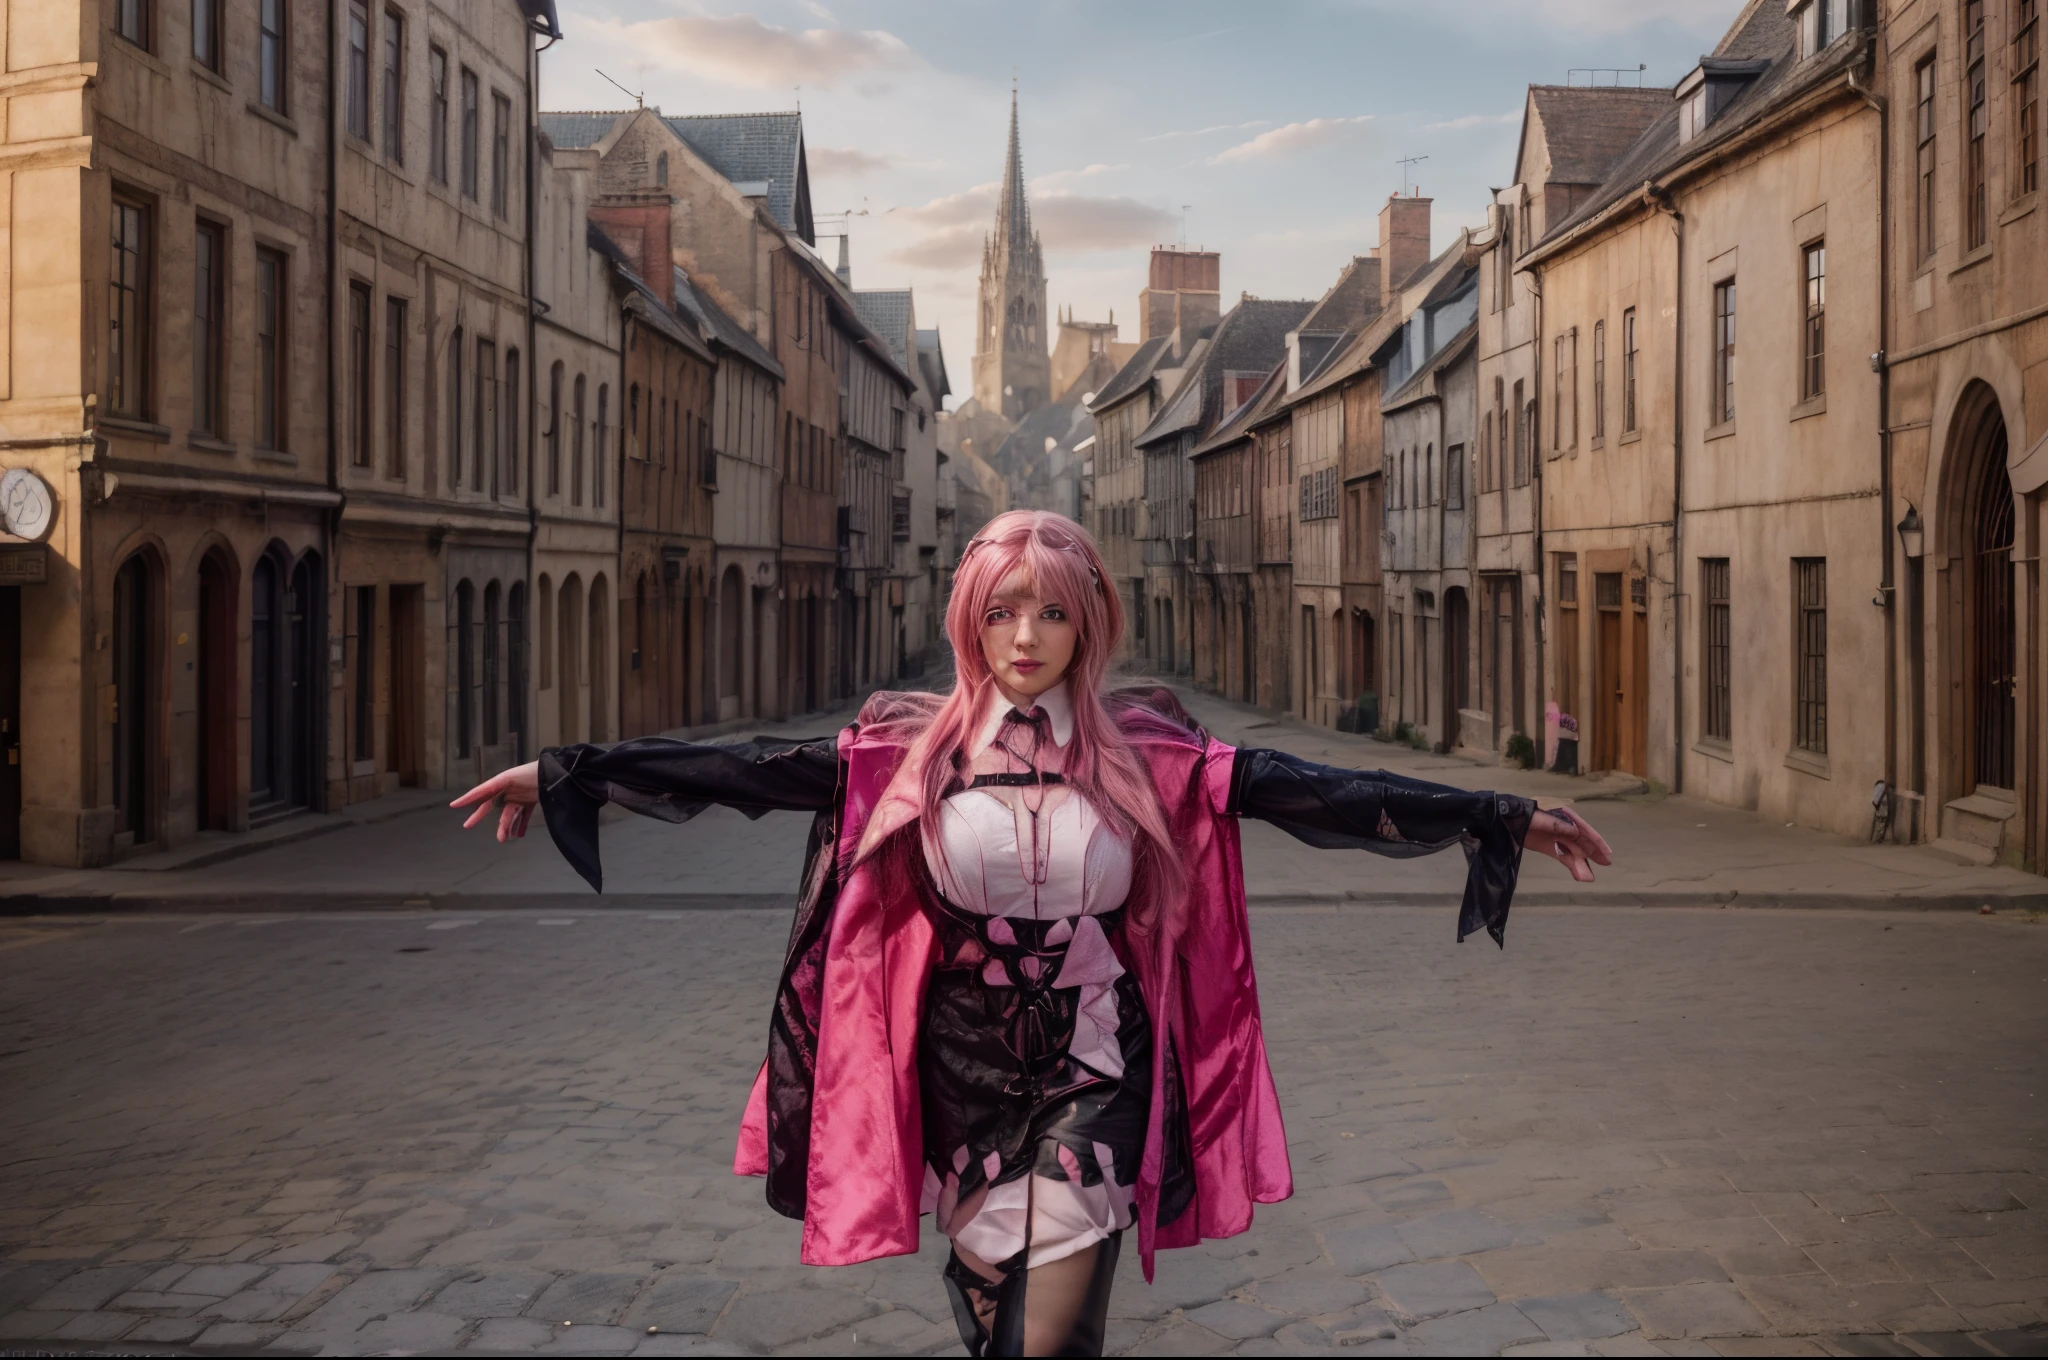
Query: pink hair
column 1062, row 564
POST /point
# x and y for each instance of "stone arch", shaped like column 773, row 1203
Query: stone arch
column 218, row 687
column 568, row 658
column 1980, row 637
column 284, row 693
column 600, row 658
column 139, row 616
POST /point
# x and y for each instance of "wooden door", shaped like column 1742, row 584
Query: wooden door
column 1636, row 758
column 218, row 690
column 1608, row 694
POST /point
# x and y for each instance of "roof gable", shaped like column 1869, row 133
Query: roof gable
column 753, row 149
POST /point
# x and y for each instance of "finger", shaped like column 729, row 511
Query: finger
column 521, row 816
column 483, row 811
column 481, row 793
column 508, row 817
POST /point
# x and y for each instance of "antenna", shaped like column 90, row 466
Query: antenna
column 1615, row 74
column 1184, row 209
column 637, row 99
column 1405, row 162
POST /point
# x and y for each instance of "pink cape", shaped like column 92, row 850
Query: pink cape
column 866, row 1163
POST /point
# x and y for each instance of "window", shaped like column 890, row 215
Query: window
column 1497, row 435
column 1599, row 380
column 576, row 443
column 1557, row 397
column 451, row 397
column 1976, row 221
column 356, row 106
column 366, row 673
column 358, row 375
column 394, row 387
column 2026, row 97
column 1819, row 24
column 600, row 466
column 510, row 419
column 484, row 437
column 209, row 328
column 128, row 318
column 271, row 59
column 1810, row 576
column 131, row 20
column 1813, row 366
column 1723, row 396
column 1564, row 412
column 1521, row 436
column 437, row 114
column 493, row 657
column 470, row 133
column 637, row 448
column 899, row 516
column 1628, row 371
column 554, row 431
column 1716, row 638
column 1454, row 477
column 1318, row 494
column 206, row 33
column 1923, row 185
column 1504, row 261
column 661, row 171
column 1692, row 114
column 501, row 155
column 271, row 280
column 394, row 86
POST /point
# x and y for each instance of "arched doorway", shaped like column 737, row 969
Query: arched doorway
column 600, row 659
column 216, row 693
column 568, row 670
column 465, row 670
column 493, row 661
column 515, row 669
column 136, row 656
column 1457, row 662
column 280, row 685
column 1993, row 655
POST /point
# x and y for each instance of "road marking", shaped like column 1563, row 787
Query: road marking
column 667, row 916
column 554, row 922
column 448, row 925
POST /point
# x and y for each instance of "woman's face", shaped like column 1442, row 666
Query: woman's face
column 1027, row 641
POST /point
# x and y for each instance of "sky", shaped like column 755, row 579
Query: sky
column 1271, row 133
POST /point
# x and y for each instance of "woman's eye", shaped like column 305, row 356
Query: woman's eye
column 996, row 616
column 1054, row 615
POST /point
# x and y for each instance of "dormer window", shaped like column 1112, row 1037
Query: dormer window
column 1820, row 23
column 1692, row 114
column 1712, row 86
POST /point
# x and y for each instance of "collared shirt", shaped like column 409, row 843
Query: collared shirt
column 1055, row 703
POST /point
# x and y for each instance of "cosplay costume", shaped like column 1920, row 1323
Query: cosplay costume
column 969, row 1024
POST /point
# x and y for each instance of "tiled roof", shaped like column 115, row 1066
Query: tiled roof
column 932, row 355
column 724, row 332
column 1352, row 300
column 1238, row 424
column 1453, row 351
column 887, row 313
column 756, row 147
column 574, row 131
column 1587, row 127
column 1763, row 32
column 1135, row 373
column 1183, row 410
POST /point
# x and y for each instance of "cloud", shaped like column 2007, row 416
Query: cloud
column 1292, row 138
column 1049, row 183
column 845, row 162
column 1204, row 132
column 1706, row 18
column 1473, row 120
column 739, row 49
column 949, row 231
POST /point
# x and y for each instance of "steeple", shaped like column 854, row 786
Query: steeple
column 1013, row 214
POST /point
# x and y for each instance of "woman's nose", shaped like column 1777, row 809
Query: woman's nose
column 1027, row 633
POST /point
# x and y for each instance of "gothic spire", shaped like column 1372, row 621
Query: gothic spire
column 1013, row 215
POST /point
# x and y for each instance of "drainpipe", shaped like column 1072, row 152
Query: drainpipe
column 1658, row 198
column 1887, row 591
column 332, row 519
column 1536, row 506
column 530, row 703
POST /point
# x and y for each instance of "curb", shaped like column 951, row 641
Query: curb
column 128, row 903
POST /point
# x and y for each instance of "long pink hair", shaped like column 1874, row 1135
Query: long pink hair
column 1063, row 565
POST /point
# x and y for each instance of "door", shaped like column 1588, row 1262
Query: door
column 1457, row 661
column 408, row 683
column 10, row 722
column 1994, row 660
column 731, row 629
column 134, row 699
column 1636, row 759
column 217, row 692
column 1608, row 696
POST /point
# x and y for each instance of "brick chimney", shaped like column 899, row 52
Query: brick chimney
column 641, row 229
column 1183, row 291
column 1404, row 240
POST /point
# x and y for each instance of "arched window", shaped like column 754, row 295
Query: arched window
column 554, row 434
column 576, row 444
column 511, row 421
column 492, row 663
column 451, row 398
column 515, row 668
column 600, row 659
column 638, row 448
column 600, row 467
column 661, row 171
column 465, row 669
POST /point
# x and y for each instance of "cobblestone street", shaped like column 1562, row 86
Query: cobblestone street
column 1634, row 1132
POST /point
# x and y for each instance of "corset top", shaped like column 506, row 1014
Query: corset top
column 985, row 864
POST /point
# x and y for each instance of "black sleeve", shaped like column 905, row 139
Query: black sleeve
column 1392, row 815
column 676, row 780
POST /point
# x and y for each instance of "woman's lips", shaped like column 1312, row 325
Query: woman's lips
column 1026, row 666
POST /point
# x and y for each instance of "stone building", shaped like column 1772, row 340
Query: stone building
column 1012, row 369
column 1710, row 530
column 913, row 625
column 579, row 484
column 877, row 406
column 1571, row 137
column 1225, row 636
column 1962, row 469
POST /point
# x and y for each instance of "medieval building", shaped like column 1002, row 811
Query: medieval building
column 1012, row 366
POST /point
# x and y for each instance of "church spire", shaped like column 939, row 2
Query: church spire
column 1013, row 214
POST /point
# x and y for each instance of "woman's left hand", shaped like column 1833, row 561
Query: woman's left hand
column 1568, row 838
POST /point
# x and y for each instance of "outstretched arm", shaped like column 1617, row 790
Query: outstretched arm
column 656, row 777
column 1393, row 815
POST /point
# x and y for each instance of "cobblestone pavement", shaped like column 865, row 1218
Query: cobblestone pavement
column 1634, row 1132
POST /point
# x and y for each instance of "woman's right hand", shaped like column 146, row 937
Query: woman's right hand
column 518, row 789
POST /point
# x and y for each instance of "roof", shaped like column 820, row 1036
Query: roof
column 541, row 15
column 1136, row 372
column 1455, row 349
column 757, row 147
column 575, row 131
column 642, row 301
column 1585, row 128
column 1763, row 31
column 932, row 356
column 723, row 332
column 1352, row 300
column 887, row 313
column 1238, row 424
column 1183, row 410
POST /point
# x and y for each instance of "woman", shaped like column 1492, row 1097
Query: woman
column 1018, row 994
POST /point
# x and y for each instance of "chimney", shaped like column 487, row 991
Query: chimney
column 1183, row 292
column 845, row 270
column 1404, row 240
column 642, row 231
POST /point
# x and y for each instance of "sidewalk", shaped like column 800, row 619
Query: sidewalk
column 409, row 852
